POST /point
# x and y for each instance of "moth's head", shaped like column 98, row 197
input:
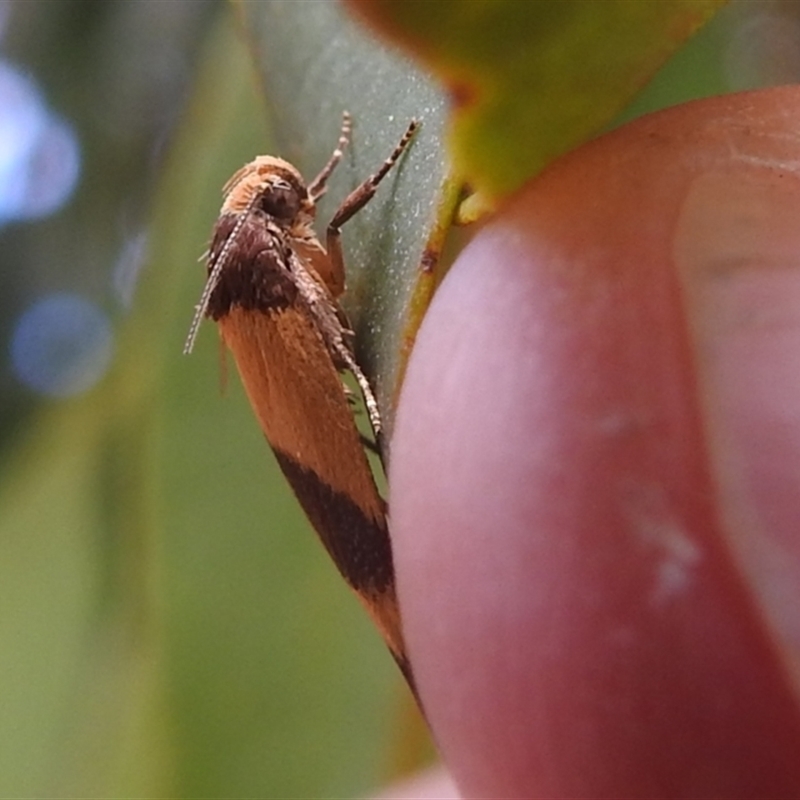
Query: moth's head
column 273, row 187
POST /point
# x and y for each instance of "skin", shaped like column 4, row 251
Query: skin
column 594, row 481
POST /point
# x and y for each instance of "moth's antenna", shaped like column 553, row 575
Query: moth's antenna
column 213, row 277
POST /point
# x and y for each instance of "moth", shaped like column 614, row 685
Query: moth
column 273, row 290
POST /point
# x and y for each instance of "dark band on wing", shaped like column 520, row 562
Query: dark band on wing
column 358, row 543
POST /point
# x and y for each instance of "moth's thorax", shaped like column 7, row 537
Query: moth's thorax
column 278, row 190
column 256, row 274
column 270, row 200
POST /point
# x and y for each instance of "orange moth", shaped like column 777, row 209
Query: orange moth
column 273, row 290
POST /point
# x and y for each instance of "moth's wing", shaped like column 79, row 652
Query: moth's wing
column 299, row 400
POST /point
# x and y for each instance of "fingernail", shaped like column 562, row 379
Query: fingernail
column 738, row 252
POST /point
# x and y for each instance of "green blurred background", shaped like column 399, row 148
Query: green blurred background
column 168, row 624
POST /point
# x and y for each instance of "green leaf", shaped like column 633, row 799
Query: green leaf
column 531, row 80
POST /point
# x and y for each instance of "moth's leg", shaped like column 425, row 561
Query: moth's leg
column 332, row 324
column 318, row 186
column 373, row 447
column 341, row 350
column 366, row 390
column 343, row 357
column 358, row 198
column 367, row 443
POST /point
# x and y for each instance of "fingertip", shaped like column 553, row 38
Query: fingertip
column 572, row 597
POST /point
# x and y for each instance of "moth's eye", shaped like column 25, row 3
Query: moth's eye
column 281, row 201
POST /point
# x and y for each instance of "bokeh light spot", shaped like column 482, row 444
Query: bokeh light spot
column 39, row 151
column 61, row 345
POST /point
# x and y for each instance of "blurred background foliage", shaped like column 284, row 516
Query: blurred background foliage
column 168, row 625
